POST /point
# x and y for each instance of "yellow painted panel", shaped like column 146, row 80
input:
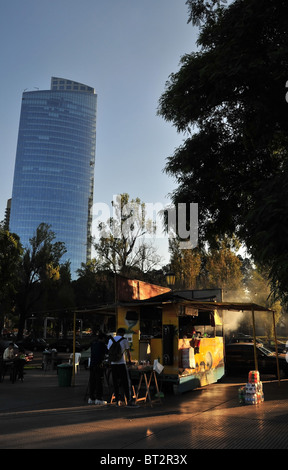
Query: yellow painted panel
column 156, row 350
column 132, row 331
column 210, row 354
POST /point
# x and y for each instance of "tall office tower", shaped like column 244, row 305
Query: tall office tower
column 54, row 168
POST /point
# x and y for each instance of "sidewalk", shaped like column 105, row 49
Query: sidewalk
column 38, row 414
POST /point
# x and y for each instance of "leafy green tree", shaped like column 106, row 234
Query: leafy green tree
column 122, row 246
column 58, row 297
column 229, row 99
column 267, row 233
column 36, row 267
column 222, row 268
column 10, row 258
column 93, row 286
column 200, row 10
column 207, row 268
column 186, row 265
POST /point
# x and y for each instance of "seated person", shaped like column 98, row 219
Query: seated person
column 9, row 354
column 8, row 361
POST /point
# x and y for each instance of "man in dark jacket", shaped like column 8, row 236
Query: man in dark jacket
column 98, row 351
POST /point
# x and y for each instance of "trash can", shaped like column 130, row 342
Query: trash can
column 64, row 375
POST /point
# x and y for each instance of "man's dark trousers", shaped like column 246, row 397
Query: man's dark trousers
column 95, row 382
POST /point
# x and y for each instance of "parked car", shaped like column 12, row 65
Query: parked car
column 241, row 338
column 34, row 344
column 281, row 346
column 64, row 345
column 240, row 357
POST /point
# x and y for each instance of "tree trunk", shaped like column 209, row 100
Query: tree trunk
column 21, row 325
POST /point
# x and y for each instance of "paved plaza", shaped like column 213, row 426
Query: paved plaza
column 39, row 414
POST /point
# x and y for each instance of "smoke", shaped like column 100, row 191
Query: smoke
column 233, row 319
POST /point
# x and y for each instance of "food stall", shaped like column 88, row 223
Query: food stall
column 184, row 335
column 183, row 330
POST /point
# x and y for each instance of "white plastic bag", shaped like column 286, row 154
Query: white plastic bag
column 157, row 366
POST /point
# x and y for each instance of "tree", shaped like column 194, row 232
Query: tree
column 186, row 265
column 58, row 297
column 267, row 233
column 93, row 286
column 222, row 268
column 36, row 267
column 122, row 246
column 10, row 256
column 200, row 10
column 229, row 99
column 208, row 268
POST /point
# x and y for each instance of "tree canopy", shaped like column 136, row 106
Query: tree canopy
column 39, row 263
column 228, row 99
column 122, row 246
column 10, row 260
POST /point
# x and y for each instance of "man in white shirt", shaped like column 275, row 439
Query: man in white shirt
column 8, row 354
column 120, row 374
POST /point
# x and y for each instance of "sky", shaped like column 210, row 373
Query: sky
column 126, row 50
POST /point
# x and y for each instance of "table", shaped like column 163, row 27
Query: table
column 14, row 367
column 149, row 375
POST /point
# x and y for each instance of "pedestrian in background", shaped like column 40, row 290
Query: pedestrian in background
column 98, row 352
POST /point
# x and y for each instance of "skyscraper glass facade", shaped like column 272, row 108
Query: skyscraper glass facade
column 54, row 168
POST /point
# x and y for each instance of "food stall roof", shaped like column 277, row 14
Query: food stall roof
column 172, row 297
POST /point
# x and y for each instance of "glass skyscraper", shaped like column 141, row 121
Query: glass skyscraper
column 54, row 168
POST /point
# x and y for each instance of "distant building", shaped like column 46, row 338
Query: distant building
column 54, row 168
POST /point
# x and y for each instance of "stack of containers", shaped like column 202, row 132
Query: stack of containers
column 252, row 392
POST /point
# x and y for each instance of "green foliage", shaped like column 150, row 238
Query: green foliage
column 267, row 232
column 209, row 268
column 94, row 286
column 121, row 247
column 42, row 254
column 10, row 258
column 222, row 269
column 186, row 265
column 200, row 10
column 229, row 99
column 35, row 271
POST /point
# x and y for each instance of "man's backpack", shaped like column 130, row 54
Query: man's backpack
column 115, row 351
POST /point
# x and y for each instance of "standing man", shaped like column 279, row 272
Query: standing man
column 98, row 351
column 120, row 374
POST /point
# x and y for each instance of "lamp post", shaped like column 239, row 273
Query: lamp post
column 170, row 279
